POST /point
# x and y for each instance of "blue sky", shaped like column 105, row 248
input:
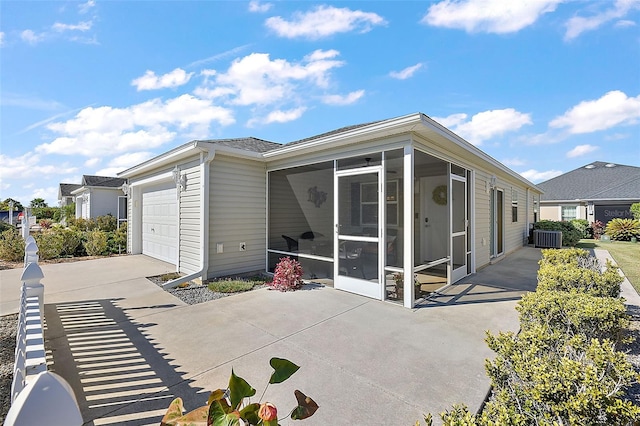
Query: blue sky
column 95, row 87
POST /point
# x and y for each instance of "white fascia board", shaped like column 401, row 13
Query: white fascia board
column 169, row 157
column 79, row 190
column 583, row 200
column 241, row 153
column 403, row 124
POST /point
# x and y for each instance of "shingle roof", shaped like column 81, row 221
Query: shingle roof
column 106, row 181
column 333, row 132
column 66, row 188
column 595, row 181
column 246, row 144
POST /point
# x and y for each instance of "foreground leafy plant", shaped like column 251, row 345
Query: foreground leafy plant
column 226, row 406
column 287, row 276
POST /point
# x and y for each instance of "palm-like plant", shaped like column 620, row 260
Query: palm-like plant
column 623, row 229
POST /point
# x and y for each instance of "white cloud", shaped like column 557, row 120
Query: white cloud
column 536, row 176
column 405, row 73
column 581, row 150
column 32, row 37
column 29, row 165
column 278, row 116
column 257, row 80
column 150, row 81
column 80, row 26
column 92, row 162
column 347, row 99
column 485, row 125
column 1, row 38
column 612, row 109
column 257, row 6
column 107, row 130
column 324, row 21
column 215, row 57
column 49, row 194
column 624, row 23
column 489, row 16
column 85, row 7
column 578, row 24
column 123, row 162
column 513, row 162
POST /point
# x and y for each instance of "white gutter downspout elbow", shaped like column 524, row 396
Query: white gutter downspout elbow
column 206, row 157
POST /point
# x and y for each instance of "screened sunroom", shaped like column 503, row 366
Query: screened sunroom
column 367, row 219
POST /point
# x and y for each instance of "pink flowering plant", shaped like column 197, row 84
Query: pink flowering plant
column 287, row 276
column 227, row 407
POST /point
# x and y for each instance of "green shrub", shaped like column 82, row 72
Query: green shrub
column 540, row 379
column 635, row 210
column 572, row 277
column 623, row 229
column 231, row 286
column 4, row 226
column 582, row 226
column 49, row 244
column 570, row 314
column 45, row 212
column 83, row 224
column 570, row 235
column 11, row 245
column 71, row 241
column 96, row 243
column 562, row 256
column 107, row 223
column 117, row 240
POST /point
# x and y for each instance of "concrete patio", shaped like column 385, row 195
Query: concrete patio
column 128, row 348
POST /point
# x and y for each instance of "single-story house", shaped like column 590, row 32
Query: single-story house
column 359, row 207
column 65, row 197
column 100, row 196
column 598, row 191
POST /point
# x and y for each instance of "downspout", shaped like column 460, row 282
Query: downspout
column 206, row 158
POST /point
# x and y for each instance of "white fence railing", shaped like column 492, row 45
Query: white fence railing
column 38, row 396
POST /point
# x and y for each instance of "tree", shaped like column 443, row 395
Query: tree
column 38, row 203
column 4, row 205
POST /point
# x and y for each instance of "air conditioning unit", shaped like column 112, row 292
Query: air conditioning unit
column 547, row 239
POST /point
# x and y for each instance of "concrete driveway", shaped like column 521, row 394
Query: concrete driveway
column 128, row 348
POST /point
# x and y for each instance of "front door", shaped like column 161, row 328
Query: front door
column 358, row 226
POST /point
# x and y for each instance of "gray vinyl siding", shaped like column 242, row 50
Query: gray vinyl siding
column 237, row 214
column 482, row 220
column 190, row 210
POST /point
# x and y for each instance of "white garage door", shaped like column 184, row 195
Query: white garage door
column 160, row 223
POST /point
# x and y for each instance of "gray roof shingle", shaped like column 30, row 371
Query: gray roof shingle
column 105, row 181
column 66, row 188
column 595, row 181
column 246, row 144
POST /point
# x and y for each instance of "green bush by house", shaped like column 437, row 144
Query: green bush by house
column 570, row 234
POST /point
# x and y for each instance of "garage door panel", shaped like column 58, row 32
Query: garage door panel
column 160, row 223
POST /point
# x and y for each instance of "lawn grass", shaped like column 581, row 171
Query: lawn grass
column 234, row 285
column 626, row 255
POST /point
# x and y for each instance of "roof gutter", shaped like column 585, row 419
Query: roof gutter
column 207, row 155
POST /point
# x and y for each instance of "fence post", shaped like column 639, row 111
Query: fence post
column 47, row 400
column 31, row 277
column 31, row 253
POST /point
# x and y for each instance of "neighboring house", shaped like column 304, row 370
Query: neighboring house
column 100, row 196
column 359, row 207
column 598, row 191
column 65, row 197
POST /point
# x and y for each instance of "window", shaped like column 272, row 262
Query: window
column 568, row 213
column 514, row 205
